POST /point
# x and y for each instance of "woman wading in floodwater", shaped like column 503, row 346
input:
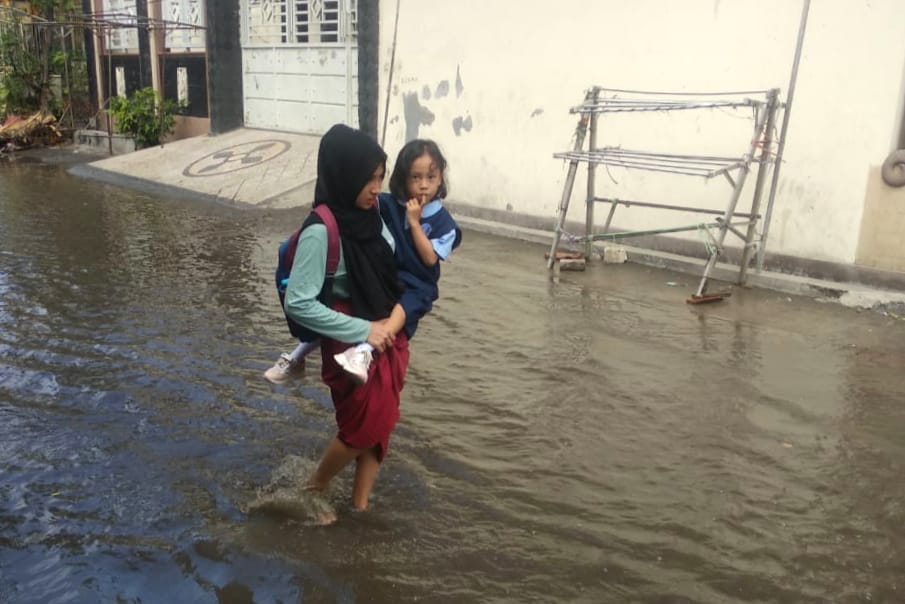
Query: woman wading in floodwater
column 366, row 289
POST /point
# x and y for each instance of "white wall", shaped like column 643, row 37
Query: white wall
column 522, row 65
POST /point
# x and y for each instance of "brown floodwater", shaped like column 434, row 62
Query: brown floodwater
column 591, row 439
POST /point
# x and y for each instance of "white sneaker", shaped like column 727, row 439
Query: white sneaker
column 356, row 363
column 285, row 369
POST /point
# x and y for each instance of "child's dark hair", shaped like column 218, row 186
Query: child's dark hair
column 407, row 155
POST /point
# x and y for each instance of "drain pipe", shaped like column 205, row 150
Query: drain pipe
column 893, row 169
column 782, row 134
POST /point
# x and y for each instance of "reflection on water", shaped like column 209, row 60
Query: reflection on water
column 591, row 440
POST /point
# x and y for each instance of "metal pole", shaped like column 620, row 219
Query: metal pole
column 109, row 91
column 592, row 181
column 386, row 109
column 609, row 218
column 66, row 59
column 155, row 33
column 580, row 132
column 733, row 201
column 347, row 38
column 806, row 5
column 759, row 184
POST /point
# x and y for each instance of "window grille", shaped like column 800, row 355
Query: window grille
column 123, row 11
column 185, row 13
column 266, row 21
column 302, row 21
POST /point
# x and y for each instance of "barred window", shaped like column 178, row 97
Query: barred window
column 317, row 21
column 121, row 11
column 302, row 21
column 187, row 23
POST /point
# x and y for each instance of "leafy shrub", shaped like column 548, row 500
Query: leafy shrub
column 145, row 116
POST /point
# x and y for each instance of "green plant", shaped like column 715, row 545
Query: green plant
column 30, row 56
column 21, row 79
column 145, row 116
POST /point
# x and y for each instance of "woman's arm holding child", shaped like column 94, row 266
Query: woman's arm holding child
column 382, row 334
column 302, row 304
column 395, row 322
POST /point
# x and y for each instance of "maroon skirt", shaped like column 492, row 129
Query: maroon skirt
column 367, row 414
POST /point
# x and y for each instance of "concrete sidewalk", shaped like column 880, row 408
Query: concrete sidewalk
column 277, row 170
column 245, row 167
column 723, row 275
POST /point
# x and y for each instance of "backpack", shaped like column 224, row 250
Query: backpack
column 286, row 256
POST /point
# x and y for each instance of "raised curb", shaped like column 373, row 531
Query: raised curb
column 849, row 294
column 149, row 186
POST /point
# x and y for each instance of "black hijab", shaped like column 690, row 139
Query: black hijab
column 346, row 160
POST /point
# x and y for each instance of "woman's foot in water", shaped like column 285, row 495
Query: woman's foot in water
column 321, row 510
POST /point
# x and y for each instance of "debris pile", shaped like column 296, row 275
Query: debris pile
column 19, row 132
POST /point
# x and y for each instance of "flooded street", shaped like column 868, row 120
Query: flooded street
column 594, row 440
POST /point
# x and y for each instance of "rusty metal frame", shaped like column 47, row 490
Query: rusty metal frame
column 600, row 100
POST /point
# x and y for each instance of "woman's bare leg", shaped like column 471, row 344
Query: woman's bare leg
column 337, row 456
column 366, row 468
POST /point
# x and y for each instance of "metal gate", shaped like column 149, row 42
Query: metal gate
column 300, row 64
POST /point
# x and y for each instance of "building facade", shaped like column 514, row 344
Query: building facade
column 493, row 82
column 139, row 44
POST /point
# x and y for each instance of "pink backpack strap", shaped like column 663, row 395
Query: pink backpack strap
column 332, row 237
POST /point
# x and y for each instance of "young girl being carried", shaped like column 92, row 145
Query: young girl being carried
column 425, row 233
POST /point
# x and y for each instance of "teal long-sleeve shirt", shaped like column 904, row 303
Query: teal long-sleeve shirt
column 309, row 269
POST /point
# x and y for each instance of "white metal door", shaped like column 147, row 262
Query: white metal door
column 300, row 64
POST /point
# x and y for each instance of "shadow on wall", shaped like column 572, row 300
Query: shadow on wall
column 417, row 114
